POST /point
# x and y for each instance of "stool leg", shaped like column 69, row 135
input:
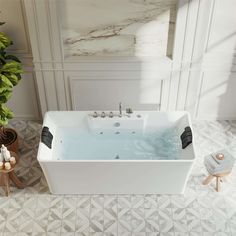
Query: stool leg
column 16, row 180
column 1, row 180
column 217, row 184
column 6, row 183
column 208, row 179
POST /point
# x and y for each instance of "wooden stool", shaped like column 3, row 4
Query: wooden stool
column 218, row 179
column 7, row 175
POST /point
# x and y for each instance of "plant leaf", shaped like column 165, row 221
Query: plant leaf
column 13, row 78
column 12, row 67
column 5, row 114
column 5, row 95
column 5, row 41
column 13, row 58
column 2, row 58
column 6, row 81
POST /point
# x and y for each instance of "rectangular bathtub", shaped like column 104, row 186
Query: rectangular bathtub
column 140, row 154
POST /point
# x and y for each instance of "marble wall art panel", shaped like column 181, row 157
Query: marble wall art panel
column 137, row 28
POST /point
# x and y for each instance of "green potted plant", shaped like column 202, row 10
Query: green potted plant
column 10, row 74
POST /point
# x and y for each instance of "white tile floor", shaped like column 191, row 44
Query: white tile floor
column 200, row 211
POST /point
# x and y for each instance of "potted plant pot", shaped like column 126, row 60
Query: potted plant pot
column 9, row 138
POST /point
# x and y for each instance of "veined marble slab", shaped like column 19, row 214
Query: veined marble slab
column 115, row 28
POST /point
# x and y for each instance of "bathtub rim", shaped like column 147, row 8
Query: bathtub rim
column 114, row 161
column 42, row 160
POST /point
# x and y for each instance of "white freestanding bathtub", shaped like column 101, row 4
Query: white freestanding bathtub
column 139, row 154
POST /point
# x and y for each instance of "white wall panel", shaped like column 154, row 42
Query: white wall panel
column 217, row 96
column 199, row 77
column 24, row 102
column 104, row 94
column 12, row 12
column 216, row 92
column 222, row 36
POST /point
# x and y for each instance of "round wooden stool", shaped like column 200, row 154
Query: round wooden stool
column 218, row 165
column 218, row 177
column 7, row 175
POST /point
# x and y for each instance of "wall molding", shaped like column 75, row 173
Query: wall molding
column 181, row 76
column 72, row 79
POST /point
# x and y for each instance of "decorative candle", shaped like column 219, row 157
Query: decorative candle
column 6, row 154
column 1, row 157
column 1, row 165
column 7, row 165
column 13, row 160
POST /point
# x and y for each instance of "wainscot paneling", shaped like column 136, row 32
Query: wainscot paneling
column 216, row 95
column 95, row 93
column 202, row 59
column 24, row 100
column 216, row 90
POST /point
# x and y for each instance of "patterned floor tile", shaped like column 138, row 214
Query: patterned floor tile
column 110, row 213
column 83, row 202
column 68, row 220
column 164, row 201
column 152, row 225
column 200, row 211
column 180, row 226
column 150, row 201
column 54, row 226
column 166, row 220
column 82, row 226
column 85, row 233
column 96, row 220
column 110, row 226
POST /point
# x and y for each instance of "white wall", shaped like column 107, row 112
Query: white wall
column 24, row 102
column 200, row 77
column 216, row 91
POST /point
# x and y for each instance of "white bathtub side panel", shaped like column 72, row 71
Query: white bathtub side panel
column 117, row 177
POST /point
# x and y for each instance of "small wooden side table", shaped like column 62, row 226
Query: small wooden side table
column 218, row 179
column 218, row 165
column 7, row 175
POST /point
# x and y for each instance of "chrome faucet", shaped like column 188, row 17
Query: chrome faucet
column 103, row 114
column 120, row 110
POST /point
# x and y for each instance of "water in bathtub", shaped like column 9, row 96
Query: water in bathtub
column 73, row 144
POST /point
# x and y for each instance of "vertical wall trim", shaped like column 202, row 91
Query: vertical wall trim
column 209, row 28
column 192, row 53
column 62, row 53
column 42, row 92
column 182, row 56
column 180, row 34
column 210, row 25
column 52, row 48
column 25, row 26
column 199, row 95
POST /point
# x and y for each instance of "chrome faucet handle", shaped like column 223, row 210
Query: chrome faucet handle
column 95, row 114
column 120, row 110
column 103, row 114
column 129, row 110
column 111, row 114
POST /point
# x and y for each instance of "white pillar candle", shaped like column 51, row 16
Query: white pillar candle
column 7, row 165
column 6, row 154
column 1, row 157
column 13, row 160
column 1, row 165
